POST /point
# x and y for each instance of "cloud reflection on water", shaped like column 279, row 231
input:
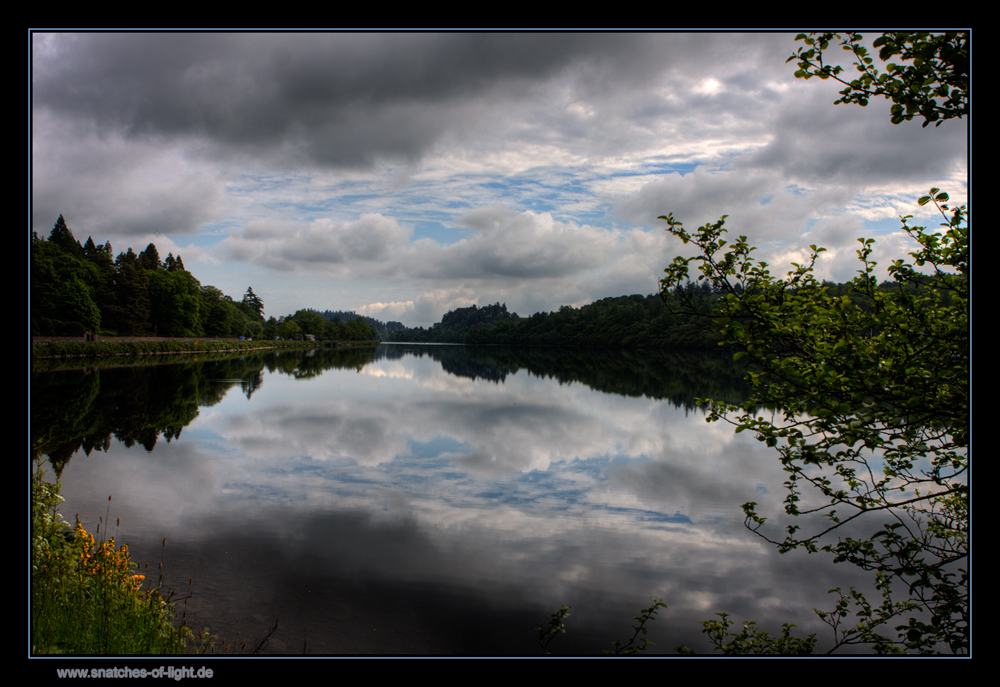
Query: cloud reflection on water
column 323, row 495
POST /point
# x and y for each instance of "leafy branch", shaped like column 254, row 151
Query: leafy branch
column 555, row 627
column 633, row 646
column 933, row 83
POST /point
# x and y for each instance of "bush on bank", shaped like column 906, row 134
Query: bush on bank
column 86, row 598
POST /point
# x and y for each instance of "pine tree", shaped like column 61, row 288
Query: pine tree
column 63, row 237
column 149, row 259
column 132, row 311
column 253, row 304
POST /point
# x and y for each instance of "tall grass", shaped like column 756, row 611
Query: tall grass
column 86, row 597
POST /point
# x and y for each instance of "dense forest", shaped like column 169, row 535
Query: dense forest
column 383, row 329
column 679, row 320
column 76, row 289
column 457, row 324
column 625, row 321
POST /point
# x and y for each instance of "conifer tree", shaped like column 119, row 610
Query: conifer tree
column 132, row 311
column 149, row 259
column 252, row 304
column 63, row 237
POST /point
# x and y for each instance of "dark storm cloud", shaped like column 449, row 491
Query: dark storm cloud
column 336, row 98
column 145, row 133
column 421, row 171
column 816, row 141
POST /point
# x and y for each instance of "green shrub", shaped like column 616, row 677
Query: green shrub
column 85, row 595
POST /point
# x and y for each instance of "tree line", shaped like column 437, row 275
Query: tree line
column 309, row 323
column 674, row 320
column 383, row 329
column 86, row 409
column 78, row 288
column 634, row 321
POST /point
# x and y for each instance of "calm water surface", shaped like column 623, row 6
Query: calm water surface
column 432, row 499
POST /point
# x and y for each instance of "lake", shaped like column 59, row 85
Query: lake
column 432, row 499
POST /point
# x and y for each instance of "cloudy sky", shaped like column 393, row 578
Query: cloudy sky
column 402, row 175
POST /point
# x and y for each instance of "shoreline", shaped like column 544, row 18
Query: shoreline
column 76, row 347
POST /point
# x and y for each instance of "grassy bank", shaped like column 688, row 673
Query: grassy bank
column 58, row 348
column 86, row 598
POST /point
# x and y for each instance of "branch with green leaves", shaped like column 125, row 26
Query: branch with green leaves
column 637, row 644
column 864, row 394
column 931, row 82
column 556, row 627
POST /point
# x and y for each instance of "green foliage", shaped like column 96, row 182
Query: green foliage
column 220, row 316
column 932, row 82
column 309, row 322
column 555, row 627
column 867, row 400
column 86, row 598
column 288, row 328
column 468, row 325
column 76, row 288
column 622, row 322
column 65, row 285
column 752, row 641
column 635, row 645
column 313, row 323
column 252, row 304
column 140, row 347
column 871, row 619
column 63, row 237
column 866, row 390
column 632, row 646
column 150, row 259
column 75, row 304
column 175, row 303
column 132, row 311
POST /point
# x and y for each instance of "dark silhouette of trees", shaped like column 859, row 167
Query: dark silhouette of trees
column 77, row 288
